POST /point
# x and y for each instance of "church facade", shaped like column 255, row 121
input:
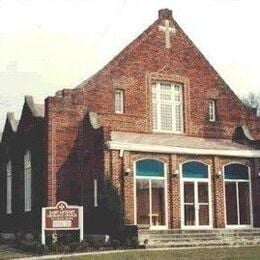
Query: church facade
column 182, row 150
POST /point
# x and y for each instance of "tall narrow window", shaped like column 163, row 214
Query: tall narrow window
column 167, row 107
column 212, row 110
column 119, row 101
column 27, row 181
column 95, row 193
column 9, row 188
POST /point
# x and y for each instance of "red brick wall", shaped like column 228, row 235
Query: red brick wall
column 64, row 117
column 134, row 69
column 146, row 60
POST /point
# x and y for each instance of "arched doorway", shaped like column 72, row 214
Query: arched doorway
column 238, row 202
column 195, row 195
column 150, row 194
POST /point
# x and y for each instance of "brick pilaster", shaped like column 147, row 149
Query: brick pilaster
column 218, row 195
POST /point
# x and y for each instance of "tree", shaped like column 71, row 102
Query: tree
column 252, row 100
column 109, row 215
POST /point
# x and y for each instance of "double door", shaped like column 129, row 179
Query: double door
column 238, row 203
column 196, row 204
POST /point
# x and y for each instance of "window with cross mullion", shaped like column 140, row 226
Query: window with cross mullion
column 167, row 107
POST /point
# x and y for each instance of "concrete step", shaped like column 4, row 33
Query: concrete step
column 164, row 240
column 195, row 238
column 200, row 231
column 244, row 233
column 203, row 244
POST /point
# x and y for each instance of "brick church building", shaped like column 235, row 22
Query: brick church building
column 180, row 147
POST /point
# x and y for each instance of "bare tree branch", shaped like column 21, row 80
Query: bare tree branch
column 252, row 100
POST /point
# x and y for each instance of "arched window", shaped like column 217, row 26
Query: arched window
column 27, row 181
column 149, row 168
column 236, row 171
column 194, row 169
column 9, row 187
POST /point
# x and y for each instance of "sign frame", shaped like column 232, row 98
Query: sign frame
column 60, row 206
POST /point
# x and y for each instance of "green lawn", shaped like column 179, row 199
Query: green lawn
column 218, row 253
column 7, row 252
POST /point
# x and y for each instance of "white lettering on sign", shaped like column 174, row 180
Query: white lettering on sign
column 62, row 217
column 61, row 223
column 64, row 214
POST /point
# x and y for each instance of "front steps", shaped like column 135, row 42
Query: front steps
column 199, row 238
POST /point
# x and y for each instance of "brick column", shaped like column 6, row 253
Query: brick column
column 218, row 195
column 174, row 194
column 128, row 189
column 50, row 156
column 116, row 172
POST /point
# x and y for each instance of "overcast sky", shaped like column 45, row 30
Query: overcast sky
column 49, row 45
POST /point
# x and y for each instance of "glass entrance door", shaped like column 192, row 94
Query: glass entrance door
column 150, row 201
column 237, row 203
column 237, row 195
column 195, row 195
column 196, row 203
column 150, row 194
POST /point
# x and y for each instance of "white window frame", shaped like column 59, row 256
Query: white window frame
column 27, row 181
column 149, row 179
column 212, row 110
column 176, row 99
column 195, row 181
column 95, row 190
column 9, row 188
column 250, row 196
column 119, row 101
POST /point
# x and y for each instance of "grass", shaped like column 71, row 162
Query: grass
column 213, row 253
column 8, row 252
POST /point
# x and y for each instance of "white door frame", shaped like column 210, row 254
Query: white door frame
column 237, row 196
column 195, row 181
column 150, row 178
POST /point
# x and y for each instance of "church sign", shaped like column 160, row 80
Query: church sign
column 62, row 217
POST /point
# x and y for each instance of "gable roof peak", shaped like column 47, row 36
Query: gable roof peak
column 165, row 14
column 12, row 121
column 36, row 109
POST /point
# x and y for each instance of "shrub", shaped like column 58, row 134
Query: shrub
column 116, row 243
column 33, row 247
column 83, row 246
column 96, row 244
column 109, row 216
column 134, row 242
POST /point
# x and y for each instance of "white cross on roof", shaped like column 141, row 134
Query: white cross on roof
column 168, row 31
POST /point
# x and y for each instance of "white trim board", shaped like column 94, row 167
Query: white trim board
column 180, row 150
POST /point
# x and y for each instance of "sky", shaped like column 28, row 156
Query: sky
column 48, row 45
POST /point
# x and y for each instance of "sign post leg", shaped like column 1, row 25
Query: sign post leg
column 43, row 226
column 81, row 230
